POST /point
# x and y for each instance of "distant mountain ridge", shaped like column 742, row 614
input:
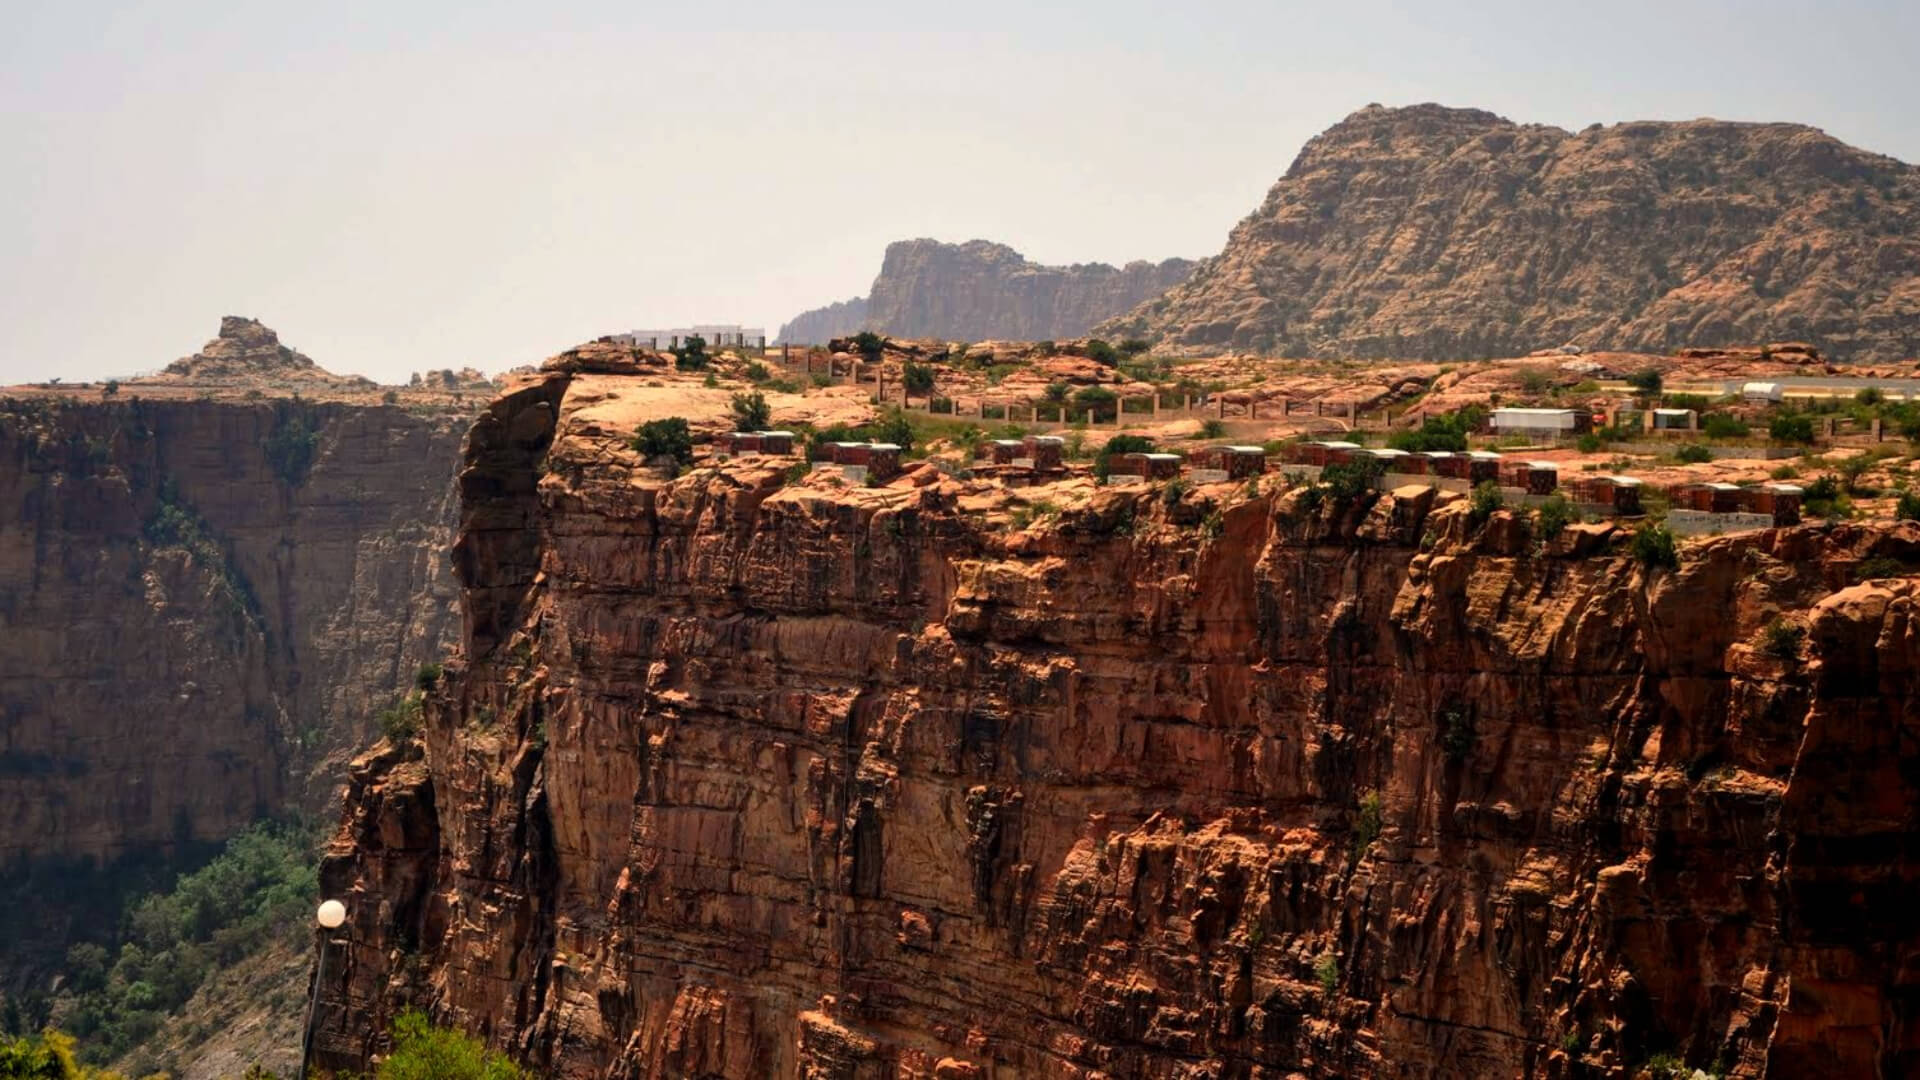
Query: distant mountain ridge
column 1446, row 233
column 981, row 290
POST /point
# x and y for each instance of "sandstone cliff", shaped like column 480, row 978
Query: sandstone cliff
column 980, row 290
column 203, row 605
column 747, row 778
column 1446, row 234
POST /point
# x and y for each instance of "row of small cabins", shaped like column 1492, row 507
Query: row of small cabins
column 1778, row 504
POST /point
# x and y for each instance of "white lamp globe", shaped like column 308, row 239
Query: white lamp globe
column 332, row 914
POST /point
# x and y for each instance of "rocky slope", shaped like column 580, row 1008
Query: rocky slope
column 747, row 778
column 1447, row 234
column 203, row 605
column 980, row 290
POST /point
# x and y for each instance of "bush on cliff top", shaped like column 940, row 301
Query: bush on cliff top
column 668, row 438
column 751, row 412
column 1653, row 547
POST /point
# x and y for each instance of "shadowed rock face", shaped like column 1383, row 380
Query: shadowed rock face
column 201, row 612
column 743, row 779
column 978, row 291
column 1455, row 234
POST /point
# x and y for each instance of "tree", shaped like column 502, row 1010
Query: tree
column 112, row 388
column 918, row 378
column 751, row 413
column 1134, row 346
column 1098, row 402
column 424, row 1052
column 1447, row 432
column 869, row 345
column 1653, row 546
column 1646, row 380
column 1119, row 444
column 665, row 438
column 1102, row 353
column 1907, row 508
column 691, row 354
column 1790, row 428
column 1057, row 392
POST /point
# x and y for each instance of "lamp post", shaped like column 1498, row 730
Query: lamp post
column 331, row 915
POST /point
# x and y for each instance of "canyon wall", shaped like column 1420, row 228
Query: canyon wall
column 1454, row 234
column 978, row 291
column 744, row 777
column 203, row 605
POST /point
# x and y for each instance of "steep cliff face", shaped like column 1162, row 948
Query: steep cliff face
column 747, row 778
column 821, row 325
column 980, row 290
column 1454, row 234
column 203, row 604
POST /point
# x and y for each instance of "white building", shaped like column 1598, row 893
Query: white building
column 1762, row 393
column 1537, row 421
column 716, row 335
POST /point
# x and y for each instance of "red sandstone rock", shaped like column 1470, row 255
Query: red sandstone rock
column 749, row 780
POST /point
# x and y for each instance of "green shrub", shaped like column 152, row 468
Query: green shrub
column 1326, row 970
column 1870, row 396
column 1880, row 566
column 424, row 1052
column 1456, row 735
column 669, row 438
column 1908, row 507
column 1097, row 402
column 691, row 354
column 917, row 378
column 1119, row 444
column 1134, row 346
column 1175, row 490
column 1589, row 443
column 1447, row 432
column 1693, row 454
column 1351, row 480
column 1724, row 426
column 1486, row 498
column 1554, row 515
column 1646, row 380
column 820, row 379
column 294, row 441
column 428, row 676
column 1102, row 353
column 1213, row 428
column 1781, row 639
column 1653, row 547
column 751, row 412
column 757, row 372
column 869, row 345
column 1790, row 428
column 1046, row 348
column 1535, row 380
column 400, row 721
column 1368, row 823
column 1057, row 392
column 1785, row 472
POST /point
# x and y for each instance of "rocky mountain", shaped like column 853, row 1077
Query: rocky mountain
column 746, row 776
column 979, row 290
column 844, row 319
column 1444, row 233
column 204, row 603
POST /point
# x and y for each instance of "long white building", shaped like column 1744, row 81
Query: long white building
column 714, row 334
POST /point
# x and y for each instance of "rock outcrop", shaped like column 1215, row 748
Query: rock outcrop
column 1444, row 234
column 980, row 290
column 203, row 606
column 745, row 777
column 844, row 319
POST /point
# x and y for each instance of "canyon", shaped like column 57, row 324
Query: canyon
column 748, row 773
column 980, row 290
column 1454, row 234
column 205, row 600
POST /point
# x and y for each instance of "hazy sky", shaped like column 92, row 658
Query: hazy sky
column 396, row 186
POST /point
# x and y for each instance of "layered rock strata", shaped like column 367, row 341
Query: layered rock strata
column 743, row 777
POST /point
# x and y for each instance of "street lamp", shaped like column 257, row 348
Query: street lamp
column 330, row 917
